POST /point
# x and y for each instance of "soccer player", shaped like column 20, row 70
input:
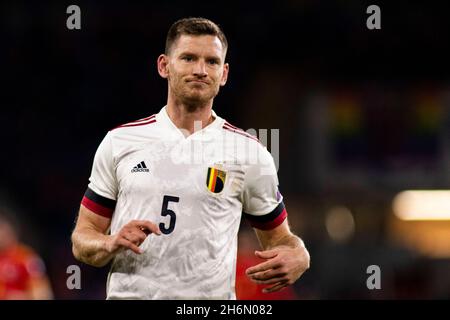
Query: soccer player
column 22, row 272
column 167, row 192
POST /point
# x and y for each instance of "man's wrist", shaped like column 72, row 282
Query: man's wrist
column 288, row 242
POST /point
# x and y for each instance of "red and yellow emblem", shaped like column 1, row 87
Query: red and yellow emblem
column 215, row 180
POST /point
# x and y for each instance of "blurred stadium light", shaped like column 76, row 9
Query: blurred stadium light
column 422, row 205
column 421, row 221
column 340, row 224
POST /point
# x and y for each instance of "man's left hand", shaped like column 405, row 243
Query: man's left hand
column 283, row 266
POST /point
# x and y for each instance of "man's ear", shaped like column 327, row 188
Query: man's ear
column 163, row 62
column 226, row 68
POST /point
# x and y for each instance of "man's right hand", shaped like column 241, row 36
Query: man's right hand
column 92, row 245
column 131, row 236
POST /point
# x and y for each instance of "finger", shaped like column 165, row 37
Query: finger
column 134, row 237
column 269, row 281
column 141, row 234
column 278, row 287
column 137, row 234
column 264, row 275
column 124, row 243
column 267, row 265
column 267, row 254
column 148, row 227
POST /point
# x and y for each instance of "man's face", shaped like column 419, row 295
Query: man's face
column 194, row 68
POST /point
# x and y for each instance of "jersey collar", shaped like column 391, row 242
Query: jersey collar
column 164, row 118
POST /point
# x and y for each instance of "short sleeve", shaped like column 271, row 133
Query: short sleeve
column 101, row 194
column 262, row 202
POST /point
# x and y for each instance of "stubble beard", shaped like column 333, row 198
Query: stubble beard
column 193, row 101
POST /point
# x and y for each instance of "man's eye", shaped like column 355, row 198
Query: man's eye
column 213, row 62
column 187, row 59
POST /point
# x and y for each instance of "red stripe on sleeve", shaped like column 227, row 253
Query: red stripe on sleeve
column 96, row 208
column 243, row 133
column 135, row 124
column 270, row 224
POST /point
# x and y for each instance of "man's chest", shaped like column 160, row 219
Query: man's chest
column 197, row 171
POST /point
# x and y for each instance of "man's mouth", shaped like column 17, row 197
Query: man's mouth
column 198, row 81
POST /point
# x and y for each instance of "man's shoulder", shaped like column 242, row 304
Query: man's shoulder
column 245, row 145
column 22, row 252
column 141, row 128
column 136, row 124
column 237, row 132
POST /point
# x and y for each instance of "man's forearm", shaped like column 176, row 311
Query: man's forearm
column 289, row 240
column 90, row 246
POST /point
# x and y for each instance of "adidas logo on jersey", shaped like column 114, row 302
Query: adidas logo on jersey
column 141, row 167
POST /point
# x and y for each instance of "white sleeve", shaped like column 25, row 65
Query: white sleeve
column 262, row 202
column 101, row 194
column 103, row 174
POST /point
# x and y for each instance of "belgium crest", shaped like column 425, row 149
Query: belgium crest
column 215, row 180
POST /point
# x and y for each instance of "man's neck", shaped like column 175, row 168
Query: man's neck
column 185, row 117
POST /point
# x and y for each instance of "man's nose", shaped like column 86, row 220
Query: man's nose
column 200, row 69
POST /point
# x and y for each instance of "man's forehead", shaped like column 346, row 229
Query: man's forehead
column 208, row 43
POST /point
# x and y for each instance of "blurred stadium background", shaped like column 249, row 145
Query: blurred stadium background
column 363, row 115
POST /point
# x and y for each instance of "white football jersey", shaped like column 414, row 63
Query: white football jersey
column 196, row 189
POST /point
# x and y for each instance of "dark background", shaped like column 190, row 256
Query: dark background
column 363, row 114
